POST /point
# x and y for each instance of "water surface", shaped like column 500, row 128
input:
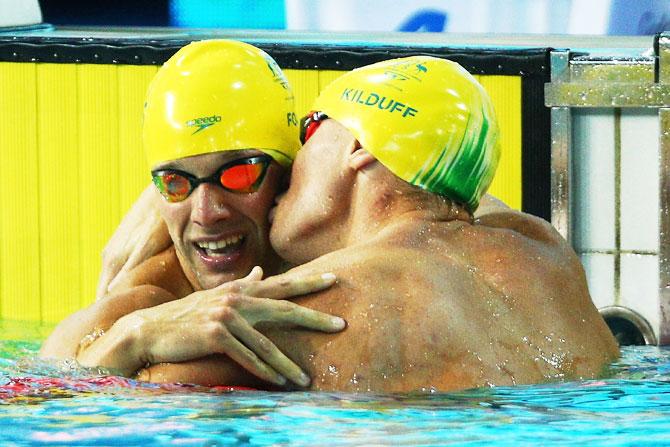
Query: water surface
column 630, row 408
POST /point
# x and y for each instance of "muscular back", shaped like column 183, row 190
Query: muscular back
column 451, row 305
column 444, row 305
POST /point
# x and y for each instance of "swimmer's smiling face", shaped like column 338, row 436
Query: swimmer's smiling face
column 220, row 235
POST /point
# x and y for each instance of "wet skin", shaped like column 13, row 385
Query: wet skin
column 431, row 299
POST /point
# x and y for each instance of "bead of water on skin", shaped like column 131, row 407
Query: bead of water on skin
column 332, row 369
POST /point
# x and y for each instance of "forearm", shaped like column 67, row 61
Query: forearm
column 64, row 341
column 212, row 370
column 141, row 234
column 118, row 349
column 219, row 320
column 68, row 337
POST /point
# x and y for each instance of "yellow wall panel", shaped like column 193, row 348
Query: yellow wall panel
column 19, row 219
column 328, row 76
column 57, row 138
column 505, row 92
column 305, row 84
column 133, row 175
column 98, row 104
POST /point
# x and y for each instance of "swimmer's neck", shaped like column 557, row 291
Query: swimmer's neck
column 378, row 207
column 371, row 206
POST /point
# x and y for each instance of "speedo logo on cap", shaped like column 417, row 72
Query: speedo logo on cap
column 203, row 123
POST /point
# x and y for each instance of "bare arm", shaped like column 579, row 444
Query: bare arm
column 211, row 370
column 64, row 341
column 141, row 234
column 216, row 321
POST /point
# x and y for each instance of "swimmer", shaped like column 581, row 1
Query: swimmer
column 433, row 298
column 218, row 162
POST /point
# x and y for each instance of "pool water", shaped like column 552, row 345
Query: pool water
column 632, row 407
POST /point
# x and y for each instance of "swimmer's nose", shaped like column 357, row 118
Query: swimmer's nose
column 209, row 205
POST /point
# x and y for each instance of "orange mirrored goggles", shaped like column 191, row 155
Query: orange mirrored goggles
column 243, row 176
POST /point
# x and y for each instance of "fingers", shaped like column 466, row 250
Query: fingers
column 255, row 275
column 246, row 358
column 288, row 313
column 279, row 287
column 119, row 277
column 106, row 278
column 266, row 350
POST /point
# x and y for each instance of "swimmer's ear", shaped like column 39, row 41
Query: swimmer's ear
column 360, row 158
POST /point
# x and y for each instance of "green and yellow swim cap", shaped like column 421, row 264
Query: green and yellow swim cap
column 219, row 95
column 426, row 119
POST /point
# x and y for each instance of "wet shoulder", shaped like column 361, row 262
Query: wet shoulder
column 504, row 252
column 523, row 224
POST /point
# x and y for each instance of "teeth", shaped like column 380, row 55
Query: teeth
column 218, row 245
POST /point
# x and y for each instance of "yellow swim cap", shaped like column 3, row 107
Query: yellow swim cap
column 219, row 95
column 426, row 119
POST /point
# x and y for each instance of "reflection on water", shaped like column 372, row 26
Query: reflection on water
column 630, row 408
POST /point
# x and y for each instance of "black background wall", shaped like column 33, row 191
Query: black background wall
column 110, row 13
